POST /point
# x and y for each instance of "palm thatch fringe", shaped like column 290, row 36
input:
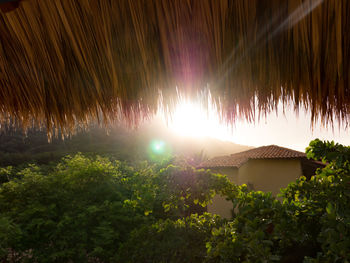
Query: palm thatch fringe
column 64, row 62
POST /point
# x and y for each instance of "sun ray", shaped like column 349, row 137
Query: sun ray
column 193, row 120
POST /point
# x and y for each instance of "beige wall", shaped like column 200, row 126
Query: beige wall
column 263, row 175
column 269, row 175
column 230, row 172
column 220, row 205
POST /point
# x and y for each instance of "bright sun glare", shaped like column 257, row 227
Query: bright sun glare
column 190, row 119
column 288, row 130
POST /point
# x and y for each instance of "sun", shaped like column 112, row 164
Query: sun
column 190, row 119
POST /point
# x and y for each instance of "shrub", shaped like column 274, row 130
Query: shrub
column 73, row 213
column 85, row 208
column 169, row 241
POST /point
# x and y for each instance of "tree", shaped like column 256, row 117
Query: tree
column 85, row 208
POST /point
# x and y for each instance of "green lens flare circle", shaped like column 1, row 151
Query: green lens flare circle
column 158, row 147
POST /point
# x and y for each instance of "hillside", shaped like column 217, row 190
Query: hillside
column 120, row 143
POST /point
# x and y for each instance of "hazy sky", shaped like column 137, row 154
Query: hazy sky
column 288, row 130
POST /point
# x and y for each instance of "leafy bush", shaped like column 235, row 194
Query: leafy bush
column 250, row 236
column 85, row 208
column 183, row 240
column 9, row 236
column 78, row 211
column 185, row 190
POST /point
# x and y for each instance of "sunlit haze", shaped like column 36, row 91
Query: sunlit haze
column 283, row 129
column 190, row 119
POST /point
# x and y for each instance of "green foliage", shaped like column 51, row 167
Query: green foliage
column 84, row 208
column 97, row 210
column 10, row 235
column 322, row 203
column 72, row 213
column 168, row 241
column 336, row 154
column 185, row 190
column 5, row 174
column 249, row 236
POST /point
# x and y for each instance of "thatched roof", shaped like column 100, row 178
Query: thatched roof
column 263, row 152
column 66, row 61
column 270, row 152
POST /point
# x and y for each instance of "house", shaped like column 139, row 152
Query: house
column 267, row 168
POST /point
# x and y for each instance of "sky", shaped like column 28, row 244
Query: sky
column 287, row 130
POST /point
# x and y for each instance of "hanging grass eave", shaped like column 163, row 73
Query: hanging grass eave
column 66, row 62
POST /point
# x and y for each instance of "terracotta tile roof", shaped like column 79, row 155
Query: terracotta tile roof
column 264, row 152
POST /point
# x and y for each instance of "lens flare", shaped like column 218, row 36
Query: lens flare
column 159, row 150
column 158, row 147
